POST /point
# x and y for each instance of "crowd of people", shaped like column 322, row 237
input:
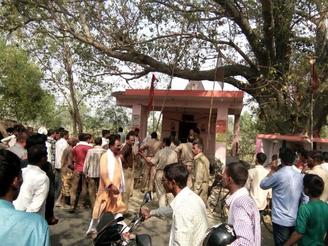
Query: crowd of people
column 51, row 168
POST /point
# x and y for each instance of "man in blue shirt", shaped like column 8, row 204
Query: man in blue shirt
column 17, row 227
column 287, row 188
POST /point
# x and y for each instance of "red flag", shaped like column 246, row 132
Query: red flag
column 151, row 93
column 314, row 79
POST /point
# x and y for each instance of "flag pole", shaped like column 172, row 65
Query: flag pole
column 312, row 62
column 311, row 121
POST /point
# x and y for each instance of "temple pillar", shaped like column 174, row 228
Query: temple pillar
column 236, row 136
column 221, row 131
column 139, row 119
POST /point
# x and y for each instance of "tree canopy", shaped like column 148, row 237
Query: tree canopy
column 21, row 96
column 261, row 47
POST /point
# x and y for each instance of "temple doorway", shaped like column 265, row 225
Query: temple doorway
column 185, row 125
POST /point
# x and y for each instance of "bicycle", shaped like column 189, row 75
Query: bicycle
column 217, row 196
column 266, row 218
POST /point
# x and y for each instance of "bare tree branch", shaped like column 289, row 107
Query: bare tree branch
column 243, row 23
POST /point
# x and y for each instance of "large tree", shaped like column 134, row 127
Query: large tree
column 67, row 74
column 263, row 45
column 70, row 68
column 21, row 95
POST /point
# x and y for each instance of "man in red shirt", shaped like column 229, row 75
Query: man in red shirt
column 79, row 154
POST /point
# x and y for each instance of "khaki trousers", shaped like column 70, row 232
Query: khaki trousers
column 93, row 184
column 66, row 180
column 129, row 181
column 203, row 192
column 160, row 190
column 148, row 177
column 77, row 178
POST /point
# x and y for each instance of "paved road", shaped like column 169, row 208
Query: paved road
column 71, row 227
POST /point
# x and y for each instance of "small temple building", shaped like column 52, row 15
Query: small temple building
column 187, row 109
column 271, row 143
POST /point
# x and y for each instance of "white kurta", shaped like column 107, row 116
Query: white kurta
column 255, row 176
column 34, row 191
column 61, row 145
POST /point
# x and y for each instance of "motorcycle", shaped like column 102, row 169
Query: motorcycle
column 113, row 231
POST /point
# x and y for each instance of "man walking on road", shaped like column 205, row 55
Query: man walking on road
column 111, row 184
column 187, row 210
column 91, row 169
column 61, row 145
column 79, row 153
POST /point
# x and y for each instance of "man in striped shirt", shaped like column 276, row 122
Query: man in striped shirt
column 91, row 168
column 243, row 214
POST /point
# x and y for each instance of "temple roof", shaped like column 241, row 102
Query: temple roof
column 181, row 98
column 291, row 138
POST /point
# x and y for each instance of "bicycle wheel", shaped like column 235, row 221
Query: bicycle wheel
column 267, row 220
column 223, row 208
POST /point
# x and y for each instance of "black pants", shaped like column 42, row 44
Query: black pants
column 50, row 202
column 281, row 233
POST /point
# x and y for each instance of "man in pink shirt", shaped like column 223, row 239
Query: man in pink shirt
column 243, row 214
column 79, row 154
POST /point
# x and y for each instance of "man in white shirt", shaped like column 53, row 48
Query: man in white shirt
column 255, row 176
column 188, row 211
column 104, row 140
column 34, row 190
column 61, row 145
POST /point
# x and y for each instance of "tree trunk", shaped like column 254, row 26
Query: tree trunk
column 75, row 112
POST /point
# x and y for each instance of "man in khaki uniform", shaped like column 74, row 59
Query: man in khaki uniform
column 201, row 171
column 66, row 173
column 152, row 146
column 163, row 158
column 186, row 156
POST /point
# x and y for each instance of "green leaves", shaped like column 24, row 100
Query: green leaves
column 263, row 42
column 21, row 96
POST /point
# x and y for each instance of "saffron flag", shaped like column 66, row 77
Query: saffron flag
column 151, row 93
column 314, row 79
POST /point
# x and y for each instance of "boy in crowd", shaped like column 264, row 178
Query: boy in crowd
column 312, row 218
